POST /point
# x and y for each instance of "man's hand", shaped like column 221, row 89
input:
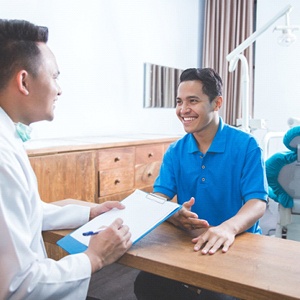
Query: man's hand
column 223, row 235
column 186, row 219
column 104, row 207
column 109, row 245
column 214, row 238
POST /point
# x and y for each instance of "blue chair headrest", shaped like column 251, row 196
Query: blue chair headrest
column 277, row 161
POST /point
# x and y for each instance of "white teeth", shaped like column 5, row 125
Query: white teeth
column 189, row 119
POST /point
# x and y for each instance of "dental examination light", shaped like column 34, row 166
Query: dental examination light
column 236, row 55
column 288, row 37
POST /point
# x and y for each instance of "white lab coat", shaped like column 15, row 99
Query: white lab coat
column 25, row 270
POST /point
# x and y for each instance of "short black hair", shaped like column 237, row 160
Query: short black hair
column 18, row 48
column 211, row 80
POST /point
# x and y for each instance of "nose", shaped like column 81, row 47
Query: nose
column 59, row 90
column 184, row 108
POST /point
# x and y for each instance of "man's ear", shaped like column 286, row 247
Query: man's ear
column 22, row 82
column 218, row 103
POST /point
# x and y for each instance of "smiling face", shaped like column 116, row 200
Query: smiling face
column 43, row 89
column 194, row 108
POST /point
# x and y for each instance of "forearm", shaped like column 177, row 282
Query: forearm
column 61, row 217
column 250, row 212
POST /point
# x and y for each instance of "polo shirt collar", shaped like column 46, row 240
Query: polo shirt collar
column 218, row 144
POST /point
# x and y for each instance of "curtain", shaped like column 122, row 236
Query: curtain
column 160, row 86
column 227, row 24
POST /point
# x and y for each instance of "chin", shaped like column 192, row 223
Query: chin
column 188, row 129
column 48, row 118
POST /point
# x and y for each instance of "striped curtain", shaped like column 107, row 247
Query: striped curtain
column 160, row 86
column 227, row 24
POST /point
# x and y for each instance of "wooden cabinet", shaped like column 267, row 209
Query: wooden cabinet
column 65, row 175
column 98, row 172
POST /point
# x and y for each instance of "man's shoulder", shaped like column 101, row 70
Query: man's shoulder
column 237, row 133
column 239, row 141
column 9, row 150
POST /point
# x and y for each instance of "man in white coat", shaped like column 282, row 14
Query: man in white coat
column 28, row 92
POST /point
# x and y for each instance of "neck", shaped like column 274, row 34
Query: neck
column 205, row 137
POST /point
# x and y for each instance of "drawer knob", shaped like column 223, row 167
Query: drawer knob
column 150, row 155
column 117, row 159
column 117, row 181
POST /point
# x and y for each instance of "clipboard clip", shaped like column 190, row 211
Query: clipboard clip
column 156, row 198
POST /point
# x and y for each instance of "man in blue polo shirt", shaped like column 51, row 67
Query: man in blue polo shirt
column 217, row 173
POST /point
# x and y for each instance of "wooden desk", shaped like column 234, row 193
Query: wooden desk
column 256, row 267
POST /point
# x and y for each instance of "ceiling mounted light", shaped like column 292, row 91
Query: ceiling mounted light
column 287, row 37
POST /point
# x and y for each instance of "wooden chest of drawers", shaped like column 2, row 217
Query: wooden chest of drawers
column 98, row 171
column 115, row 170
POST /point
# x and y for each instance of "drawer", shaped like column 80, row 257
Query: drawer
column 116, row 158
column 149, row 153
column 146, row 174
column 115, row 181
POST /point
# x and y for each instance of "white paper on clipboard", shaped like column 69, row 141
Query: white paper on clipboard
column 142, row 213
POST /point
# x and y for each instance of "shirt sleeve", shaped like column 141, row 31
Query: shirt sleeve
column 165, row 183
column 254, row 182
column 26, row 272
column 68, row 216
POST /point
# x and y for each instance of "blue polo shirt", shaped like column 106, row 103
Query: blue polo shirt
column 221, row 181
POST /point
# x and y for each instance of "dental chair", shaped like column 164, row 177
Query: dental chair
column 283, row 175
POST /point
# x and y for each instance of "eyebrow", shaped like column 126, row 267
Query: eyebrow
column 190, row 97
column 193, row 97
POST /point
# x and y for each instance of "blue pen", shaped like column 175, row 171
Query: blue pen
column 88, row 233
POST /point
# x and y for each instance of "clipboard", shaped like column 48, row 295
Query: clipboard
column 142, row 213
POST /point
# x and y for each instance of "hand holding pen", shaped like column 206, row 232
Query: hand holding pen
column 110, row 245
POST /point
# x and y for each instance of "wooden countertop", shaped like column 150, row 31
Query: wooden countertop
column 61, row 145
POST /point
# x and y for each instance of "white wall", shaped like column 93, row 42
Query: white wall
column 277, row 71
column 100, row 46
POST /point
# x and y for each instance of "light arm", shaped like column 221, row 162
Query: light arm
column 236, row 55
column 252, row 38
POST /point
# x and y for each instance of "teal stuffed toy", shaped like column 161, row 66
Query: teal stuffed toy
column 275, row 163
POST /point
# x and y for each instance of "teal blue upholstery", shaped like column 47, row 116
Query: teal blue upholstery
column 276, row 162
